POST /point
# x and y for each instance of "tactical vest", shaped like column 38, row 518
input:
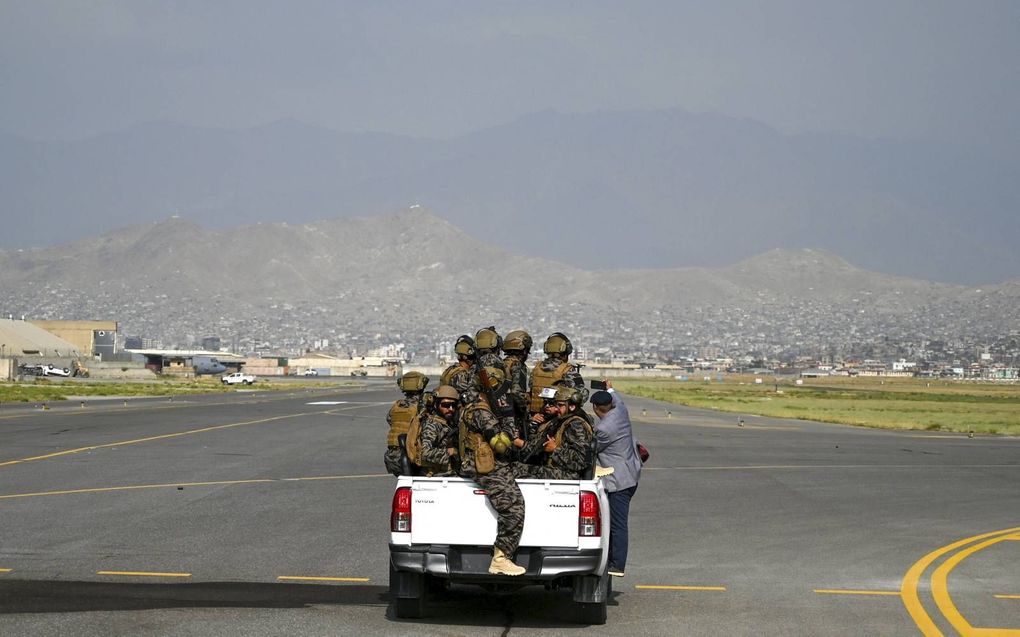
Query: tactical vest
column 401, row 418
column 481, row 452
column 541, row 379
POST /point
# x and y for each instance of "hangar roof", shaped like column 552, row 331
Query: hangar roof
column 187, row 353
column 21, row 339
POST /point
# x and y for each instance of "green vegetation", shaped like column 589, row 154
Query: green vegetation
column 46, row 390
column 891, row 403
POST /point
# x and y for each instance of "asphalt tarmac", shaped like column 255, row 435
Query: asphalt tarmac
column 266, row 513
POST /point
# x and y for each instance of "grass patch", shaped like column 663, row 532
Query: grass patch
column 45, row 390
column 884, row 403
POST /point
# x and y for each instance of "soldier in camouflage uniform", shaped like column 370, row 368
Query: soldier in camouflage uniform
column 478, row 425
column 461, row 375
column 487, row 344
column 556, row 369
column 564, row 445
column 399, row 417
column 517, row 347
column 436, row 440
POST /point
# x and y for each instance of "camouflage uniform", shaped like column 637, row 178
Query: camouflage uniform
column 460, row 378
column 436, row 437
column 500, row 484
column 572, row 456
column 391, row 458
column 520, row 388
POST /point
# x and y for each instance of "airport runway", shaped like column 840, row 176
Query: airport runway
column 263, row 513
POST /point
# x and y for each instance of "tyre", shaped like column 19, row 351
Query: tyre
column 247, row 382
column 591, row 612
column 410, row 607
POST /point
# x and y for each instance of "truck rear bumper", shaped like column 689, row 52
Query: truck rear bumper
column 467, row 563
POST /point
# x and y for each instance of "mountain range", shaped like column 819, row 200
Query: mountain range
column 413, row 276
column 648, row 189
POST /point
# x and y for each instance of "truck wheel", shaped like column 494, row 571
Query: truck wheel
column 410, row 607
column 591, row 612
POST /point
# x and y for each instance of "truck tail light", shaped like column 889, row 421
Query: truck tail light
column 400, row 518
column 589, row 520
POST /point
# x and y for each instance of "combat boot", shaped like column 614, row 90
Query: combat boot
column 501, row 564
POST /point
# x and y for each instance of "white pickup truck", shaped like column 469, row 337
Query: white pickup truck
column 238, row 378
column 442, row 530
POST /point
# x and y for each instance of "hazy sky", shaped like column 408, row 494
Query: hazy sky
column 947, row 71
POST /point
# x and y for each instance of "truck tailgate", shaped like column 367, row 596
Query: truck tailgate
column 455, row 511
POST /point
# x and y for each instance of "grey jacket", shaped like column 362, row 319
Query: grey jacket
column 616, row 448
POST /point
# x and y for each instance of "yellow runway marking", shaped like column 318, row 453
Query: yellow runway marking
column 124, row 443
column 664, row 587
column 300, row 578
column 1007, row 597
column 142, row 574
column 5, row 570
column 171, row 485
column 940, row 591
column 911, row 582
column 840, row 591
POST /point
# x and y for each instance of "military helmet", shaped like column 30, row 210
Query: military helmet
column 569, row 395
column 488, row 338
column 517, row 340
column 557, row 343
column 465, row 346
column 448, row 392
column 413, row 381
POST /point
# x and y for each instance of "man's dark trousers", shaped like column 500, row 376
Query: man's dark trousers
column 619, row 511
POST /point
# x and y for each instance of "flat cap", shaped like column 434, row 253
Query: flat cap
column 601, row 398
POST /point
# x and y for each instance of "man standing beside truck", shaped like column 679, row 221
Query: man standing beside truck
column 616, row 448
column 483, row 439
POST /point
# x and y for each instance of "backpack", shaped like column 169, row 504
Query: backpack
column 402, row 419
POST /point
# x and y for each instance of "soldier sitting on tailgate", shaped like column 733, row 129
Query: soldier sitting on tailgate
column 482, row 445
column 400, row 417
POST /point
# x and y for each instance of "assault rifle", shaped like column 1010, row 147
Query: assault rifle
column 497, row 396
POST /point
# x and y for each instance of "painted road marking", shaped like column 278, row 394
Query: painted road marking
column 178, row 434
column 940, row 590
column 142, row 574
column 841, row 591
column 912, row 578
column 302, row 578
column 6, row 570
column 671, row 587
column 172, row 485
column 1007, row 597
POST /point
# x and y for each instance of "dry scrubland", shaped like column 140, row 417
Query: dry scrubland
column 891, row 403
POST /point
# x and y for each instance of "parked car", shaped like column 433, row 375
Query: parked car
column 45, row 370
column 237, row 378
column 311, row 372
